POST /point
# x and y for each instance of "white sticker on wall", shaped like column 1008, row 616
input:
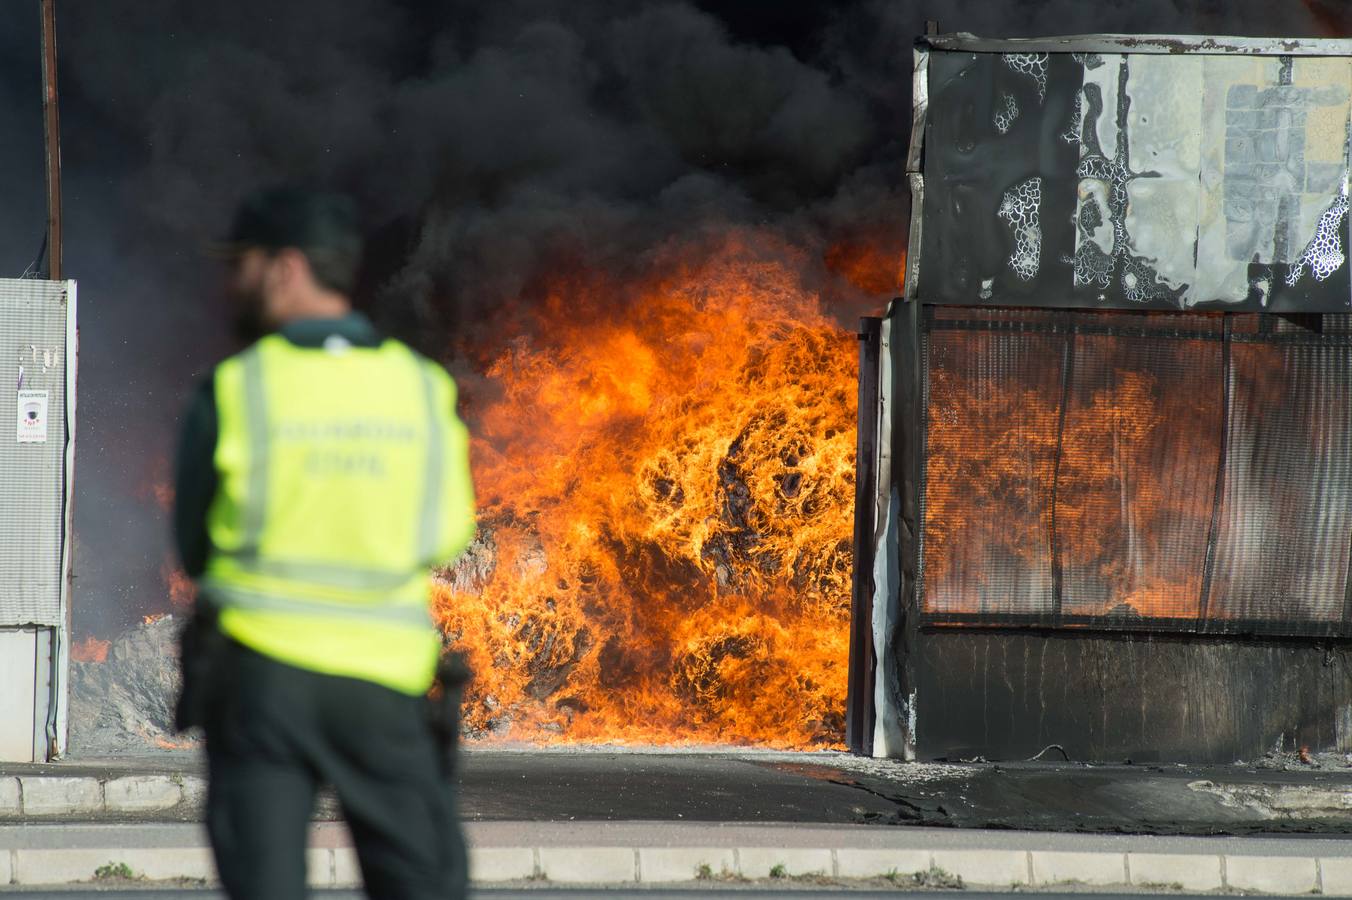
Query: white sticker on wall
column 32, row 417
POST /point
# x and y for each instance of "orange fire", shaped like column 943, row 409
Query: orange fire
column 665, row 476
column 163, row 494
column 181, row 589
column 868, row 264
column 91, row 649
column 165, row 743
column 1134, row 475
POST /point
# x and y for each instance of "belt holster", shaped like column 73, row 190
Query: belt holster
column 453, row 673
column 201, row 648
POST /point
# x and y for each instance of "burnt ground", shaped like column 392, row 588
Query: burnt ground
column 747, row 786
column 835, row 788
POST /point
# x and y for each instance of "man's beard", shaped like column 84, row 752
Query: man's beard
column 249, row 323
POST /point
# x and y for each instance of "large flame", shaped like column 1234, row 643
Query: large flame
column 665, row 476
column 1132, row 457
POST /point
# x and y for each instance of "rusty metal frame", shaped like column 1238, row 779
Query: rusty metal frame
column 1168, row 44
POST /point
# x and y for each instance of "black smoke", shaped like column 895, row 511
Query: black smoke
column 489, row 144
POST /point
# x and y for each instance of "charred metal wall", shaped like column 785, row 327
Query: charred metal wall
column 1008, row 695
column 1099, row 173
column 1131, row 179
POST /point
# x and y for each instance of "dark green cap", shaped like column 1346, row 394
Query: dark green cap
column 308, row 220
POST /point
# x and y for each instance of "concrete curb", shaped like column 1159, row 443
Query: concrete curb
column 653, row 853
column 47, row 796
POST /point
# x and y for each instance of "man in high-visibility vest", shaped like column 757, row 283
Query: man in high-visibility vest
column 322, row 471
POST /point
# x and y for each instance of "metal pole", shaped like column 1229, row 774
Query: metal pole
column 52, row 139
column 859, row 711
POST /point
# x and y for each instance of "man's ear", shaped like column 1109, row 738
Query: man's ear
column 292, row 266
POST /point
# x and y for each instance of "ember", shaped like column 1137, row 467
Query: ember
column 665, row 478
column 181, row 589
column 91, row 649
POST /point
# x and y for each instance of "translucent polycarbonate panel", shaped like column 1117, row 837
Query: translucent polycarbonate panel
column 1122, row 470
column 1286, row 507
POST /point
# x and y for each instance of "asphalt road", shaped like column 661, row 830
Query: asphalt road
column 822, row 789
column 659, row 787
column 549, row 892
column 691, row 785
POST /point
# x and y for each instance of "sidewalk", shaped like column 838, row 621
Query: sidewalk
column 616, row 853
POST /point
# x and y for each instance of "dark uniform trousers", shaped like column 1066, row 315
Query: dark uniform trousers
column 276, row 733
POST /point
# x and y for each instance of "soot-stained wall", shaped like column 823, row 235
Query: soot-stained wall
column 1139, row 697
column 1005, row 693
column 1137, row 180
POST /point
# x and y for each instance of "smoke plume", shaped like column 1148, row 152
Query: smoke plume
column 491, row 146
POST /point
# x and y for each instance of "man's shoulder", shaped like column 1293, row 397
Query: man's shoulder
column 239, row 356
column 278, row 343
column 427, row 362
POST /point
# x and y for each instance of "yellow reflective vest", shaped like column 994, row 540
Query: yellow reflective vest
column 343, row 476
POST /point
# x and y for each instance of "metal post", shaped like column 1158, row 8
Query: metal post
column 52, row 138
column 1067, row 381
column 859, row 710
column 1218, row 497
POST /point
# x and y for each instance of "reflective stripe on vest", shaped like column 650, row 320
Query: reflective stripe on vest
column 325, row 574
column 236, row 597
column 255, row 405
column 436, row 448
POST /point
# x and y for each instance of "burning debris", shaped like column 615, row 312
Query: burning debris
column 666, row 479
column 123, row 689
column 665, row 474
column 122, row 698
column 90, row 650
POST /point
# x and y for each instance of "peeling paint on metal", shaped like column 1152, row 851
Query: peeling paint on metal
column 1034, row 65
column 1005, row 116
column 1021, row 210
column 1204, row 178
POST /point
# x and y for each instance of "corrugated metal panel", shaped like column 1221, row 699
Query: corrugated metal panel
column 1135, row 472
column 33, row 350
